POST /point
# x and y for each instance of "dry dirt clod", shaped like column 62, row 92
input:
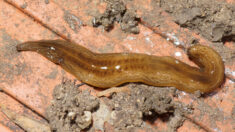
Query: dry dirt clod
column 144, row 103
column 71, row 109
column 214, row 20
column 116, row 11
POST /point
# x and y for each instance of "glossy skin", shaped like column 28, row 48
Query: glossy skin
column 112, row 69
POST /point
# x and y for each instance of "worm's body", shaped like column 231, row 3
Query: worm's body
column 112, row 69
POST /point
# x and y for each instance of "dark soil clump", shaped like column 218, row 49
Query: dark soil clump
column 214, row 20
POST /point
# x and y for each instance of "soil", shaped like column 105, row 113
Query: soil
column 116, row 11
column 75, row 110
column 46, row 1
column 146, row 103
column 73, row 21
column 71, row 108
column 227, row 54
column 214, row 20
column 23, row 6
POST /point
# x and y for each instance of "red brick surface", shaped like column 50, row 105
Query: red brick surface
column 38, row 20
